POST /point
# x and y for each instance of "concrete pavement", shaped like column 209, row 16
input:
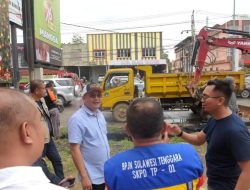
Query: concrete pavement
column 243, row 101
column 244, row 105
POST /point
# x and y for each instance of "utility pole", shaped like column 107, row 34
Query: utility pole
column 193, row 38
column 16, row 77
column 193, row 27
column 28, row 33
column 234, row 57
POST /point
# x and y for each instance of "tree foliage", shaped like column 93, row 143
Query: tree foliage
column 77, row 39
column 164, row 55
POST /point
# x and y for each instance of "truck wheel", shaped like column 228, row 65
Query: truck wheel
column 120, row 112
column 245, row 93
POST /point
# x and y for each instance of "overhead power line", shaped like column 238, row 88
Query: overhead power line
column 90, row 29
column 148, row 17
column 86, row 54
column 209, row 13
column 132, row 19
column 112, row 30
column 145, row 26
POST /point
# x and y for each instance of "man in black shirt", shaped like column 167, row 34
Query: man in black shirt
column 228, row 140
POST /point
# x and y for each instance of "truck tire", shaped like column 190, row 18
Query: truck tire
column 120, row 112
column 245, row 93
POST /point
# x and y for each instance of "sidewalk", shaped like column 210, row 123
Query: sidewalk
column 244, row 106
column 243, row 102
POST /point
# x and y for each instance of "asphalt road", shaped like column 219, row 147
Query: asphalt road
column 183, row 117
column 69, row 110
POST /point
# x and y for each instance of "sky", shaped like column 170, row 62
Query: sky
column 172, row 18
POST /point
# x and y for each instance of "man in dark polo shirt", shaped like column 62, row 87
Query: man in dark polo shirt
column 228, row 140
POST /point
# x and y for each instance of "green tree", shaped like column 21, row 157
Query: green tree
column 164, row 55
column 77, row 38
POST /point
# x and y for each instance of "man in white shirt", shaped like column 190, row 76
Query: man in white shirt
column 21, row 143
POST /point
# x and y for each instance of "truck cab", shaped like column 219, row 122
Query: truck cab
column 117, row 95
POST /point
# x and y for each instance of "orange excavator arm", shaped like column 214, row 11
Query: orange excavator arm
column 203, row 41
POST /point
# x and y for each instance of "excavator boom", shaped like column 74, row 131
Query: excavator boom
column 203, row 41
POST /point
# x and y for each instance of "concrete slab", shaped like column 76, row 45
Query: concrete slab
column 243, row 101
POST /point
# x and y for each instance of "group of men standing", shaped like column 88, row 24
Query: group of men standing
column 153, row 163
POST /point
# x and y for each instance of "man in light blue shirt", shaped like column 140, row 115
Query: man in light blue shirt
column 87, row 135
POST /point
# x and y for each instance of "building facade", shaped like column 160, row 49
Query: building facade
column 109, row 50
column 183, row 52
column 221, row 58
column 75, row 59
column 218, row 58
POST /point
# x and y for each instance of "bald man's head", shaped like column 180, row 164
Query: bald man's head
column 15, row 108
column 145, row 118
column 21, row 130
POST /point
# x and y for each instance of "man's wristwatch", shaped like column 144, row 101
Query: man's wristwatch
column 180, row 134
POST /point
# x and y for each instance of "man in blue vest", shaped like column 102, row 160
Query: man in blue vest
column 152, row 163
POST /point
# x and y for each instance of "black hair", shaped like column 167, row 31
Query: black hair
column 231, row 81
column 145, row 118
column 49, row 84
column 223, row 87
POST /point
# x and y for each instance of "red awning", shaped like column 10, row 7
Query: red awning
column 247, row 62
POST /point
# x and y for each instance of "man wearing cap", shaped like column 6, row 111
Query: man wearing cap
column 87, row 135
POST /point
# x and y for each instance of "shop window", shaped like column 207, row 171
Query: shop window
column 99, row 53
column 123, row 53
column 148, row 52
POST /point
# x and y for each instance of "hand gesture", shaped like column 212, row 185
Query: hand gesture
column 172, row 129
column 86, row 183
column 164, row 134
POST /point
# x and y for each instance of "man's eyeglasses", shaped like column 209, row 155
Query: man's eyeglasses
column 95, row 95
column 205, row 97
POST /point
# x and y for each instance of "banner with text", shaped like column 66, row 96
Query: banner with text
column 47, row 32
